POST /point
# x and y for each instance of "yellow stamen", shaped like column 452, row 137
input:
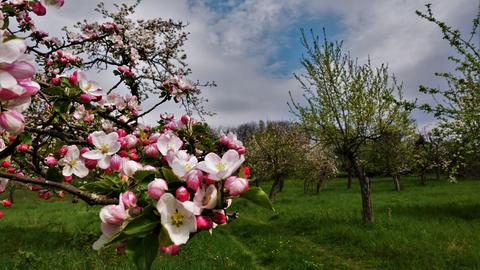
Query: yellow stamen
column 177, row 218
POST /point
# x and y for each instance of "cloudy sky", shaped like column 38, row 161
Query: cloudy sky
column 251, row 48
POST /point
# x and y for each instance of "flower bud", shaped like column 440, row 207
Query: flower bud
column 182, row 194
column 236, row 185
column 123, row 154
column 113, row 214
column 63, row 151
column 6, row 203
column 6, row 163
column 240, row 150
column 38, row 8
column 1, row 214
column 185, row 119
column 34, row 188
column 151, row 150
column 131, row 141
column 61, row 194
column 170, row 250
column 90, row 163
column 86, row 98
column 11, row 170
column 134, row 156
column 246, row 171
column 51, row 161
column 23, row 147
column 219, row 217
column 204, row 222
column 55, row 81
column 68, row 179
column 116, row 163
column 157, row 188
column 194, row 179
column 12, row 121
column 121, row 133
column 73, row 78
column 129, row 199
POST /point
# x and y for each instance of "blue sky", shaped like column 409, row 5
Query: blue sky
column 252, row 47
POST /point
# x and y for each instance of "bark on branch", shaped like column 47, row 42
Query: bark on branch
column 88, row 197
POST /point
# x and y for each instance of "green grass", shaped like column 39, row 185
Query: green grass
column 432, row 227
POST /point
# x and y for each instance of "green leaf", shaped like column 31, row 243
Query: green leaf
column 257, row 196
column 26, row 138
column 141, row 225
column 61, row 105
column 6, row 22
column 142, row 251
column 145, row 176
column 169, row 175
column 103, row 186
column 54, row 91
column 54, row 174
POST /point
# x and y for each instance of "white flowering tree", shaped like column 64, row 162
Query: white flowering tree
column 63, row 132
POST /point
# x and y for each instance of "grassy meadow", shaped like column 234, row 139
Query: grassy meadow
column 431, row 227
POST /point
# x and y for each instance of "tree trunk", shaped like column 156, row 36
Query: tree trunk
column 349, row 183
column 320, row 185
column 11, row 190
column 365, row 191
column 396, row 181
column 423, row 178
column 305, row 186
column 276, row 187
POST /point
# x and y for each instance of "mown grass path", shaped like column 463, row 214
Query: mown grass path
column 432, row 227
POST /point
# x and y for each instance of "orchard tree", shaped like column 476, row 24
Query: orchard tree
column 392, row 154
column 457, row 106
column 347, row 104
column 60, row 131
column 316, row 168
column 274, row 151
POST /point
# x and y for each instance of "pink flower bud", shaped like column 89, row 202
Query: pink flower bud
column 219, row 218
column 116, row 163
column 151, row 150
column 34, row 188
column 170, row 250
column 246, row 171
column 182, row 194
column 45, row 195
column 51, row 161
column 1, row 214
column 55, row 81
column 157, row 188
column 68, row 179
column 12, row 121
column 61, row 194
column 63, row 151
column 90, row 139
column 38, row 8
column 123, row 154
column 23, row 147
column 134, row 156
column 5, row 163
column 240, row 150
column 121, row 247
column 129, row 200
column 194, row 179
column 131, row 141
column 11, row 170
column 86, row 98
column 73, row 78
column 113, row 214
column 91, row 163
column 236, row 185
column 204, row 223
column 6, row 203
column 84, row 150
column 121, row 133
column 185, row 119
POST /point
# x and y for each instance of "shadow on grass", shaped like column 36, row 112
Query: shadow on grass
column 446, row 210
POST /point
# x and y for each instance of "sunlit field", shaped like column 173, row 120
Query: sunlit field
column 423, row 227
